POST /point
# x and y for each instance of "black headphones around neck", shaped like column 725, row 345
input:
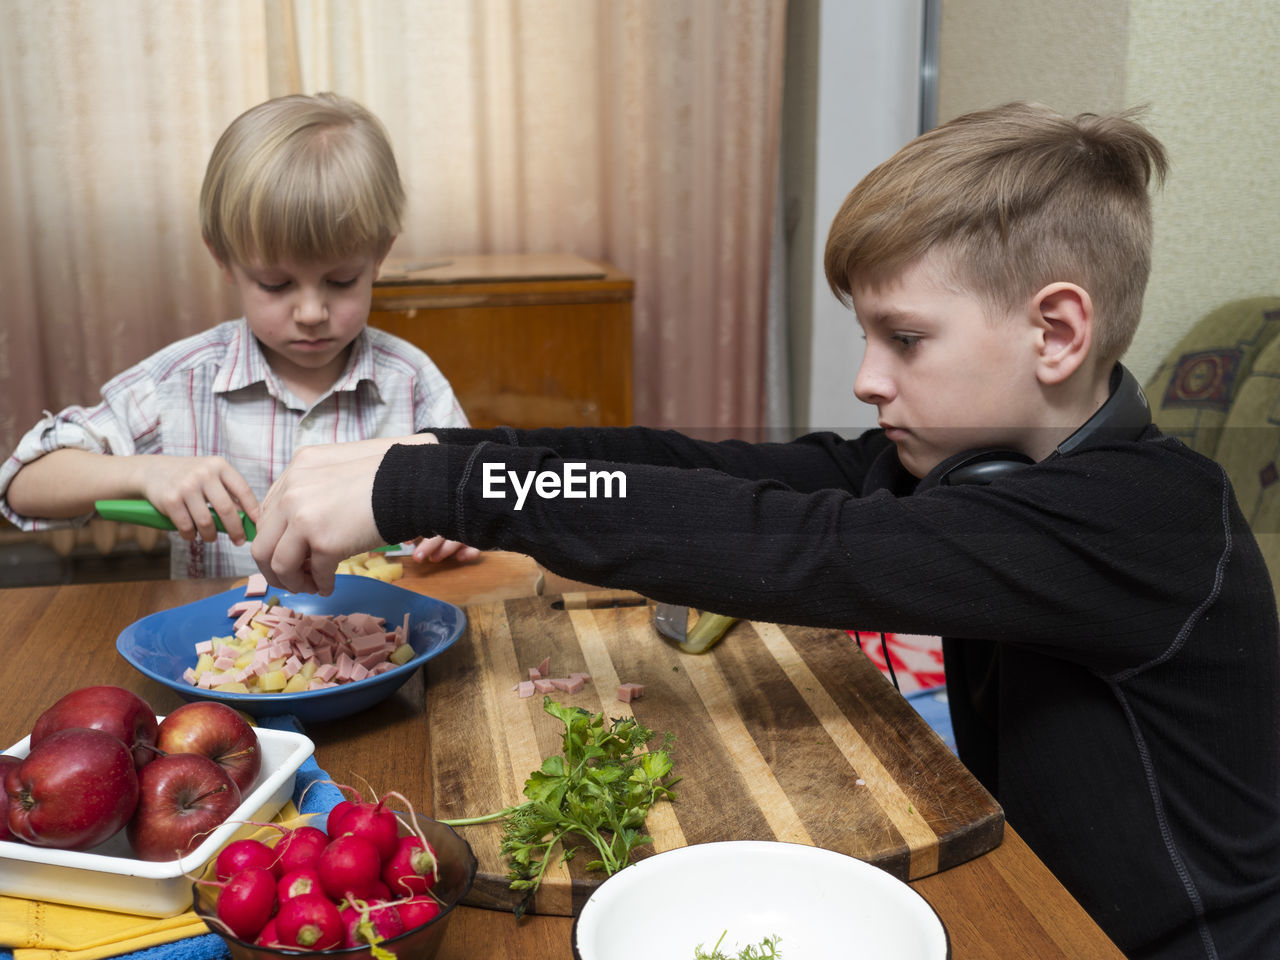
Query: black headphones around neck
column 1124, row 416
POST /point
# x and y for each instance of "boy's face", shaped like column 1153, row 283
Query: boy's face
column 306, row 315
column 944, row 375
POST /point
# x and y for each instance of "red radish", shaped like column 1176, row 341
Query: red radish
column 370, row 923
column 297, row 882
column 309, row 921
column 417, row 911
column 373, row 821
column 246, row 902
column 411, row 869
column 349, row 867
column 299, row 849
column 268, row 937
column 337, row 813
column 238, row 854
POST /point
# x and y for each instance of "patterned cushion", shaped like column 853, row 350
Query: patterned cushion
column 1195, row 387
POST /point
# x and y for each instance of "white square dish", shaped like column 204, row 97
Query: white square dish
column 107, row 876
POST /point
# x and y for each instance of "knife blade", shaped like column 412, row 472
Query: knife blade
column 672, row 621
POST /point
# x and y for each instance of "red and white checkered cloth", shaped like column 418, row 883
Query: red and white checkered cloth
column 917, row 660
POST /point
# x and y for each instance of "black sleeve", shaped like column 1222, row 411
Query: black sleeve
column 812, row 462
column 1039, row 558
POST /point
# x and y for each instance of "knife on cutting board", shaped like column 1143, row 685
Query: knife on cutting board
column 672, row 621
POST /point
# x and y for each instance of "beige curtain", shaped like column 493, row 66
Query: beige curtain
column 644, row 132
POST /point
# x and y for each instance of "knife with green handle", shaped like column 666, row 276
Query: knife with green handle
column 144, row 514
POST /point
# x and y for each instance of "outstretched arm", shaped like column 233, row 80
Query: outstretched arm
column 188, row 490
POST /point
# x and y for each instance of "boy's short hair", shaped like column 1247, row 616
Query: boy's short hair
column 301, row 177
column 1016, row 197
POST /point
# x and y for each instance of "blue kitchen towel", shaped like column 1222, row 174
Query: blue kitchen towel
column 210, row 946
column 313, row 791
column 932, row 705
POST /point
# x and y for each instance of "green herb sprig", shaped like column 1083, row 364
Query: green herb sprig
column 767, row 949
column 600, row 789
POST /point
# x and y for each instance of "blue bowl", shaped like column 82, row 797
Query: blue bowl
column 162, row 645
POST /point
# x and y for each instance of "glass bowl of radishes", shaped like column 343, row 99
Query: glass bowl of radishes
column 365, row 880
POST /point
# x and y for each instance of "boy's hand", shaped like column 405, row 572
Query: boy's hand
column 436, row 549
column 185, row 488
column 317, row 513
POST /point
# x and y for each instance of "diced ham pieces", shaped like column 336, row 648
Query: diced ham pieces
column 540, row 681
column 312, row 651
column 630, row 691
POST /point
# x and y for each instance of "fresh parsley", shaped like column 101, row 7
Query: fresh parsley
column 767, row 949
column 600, row 789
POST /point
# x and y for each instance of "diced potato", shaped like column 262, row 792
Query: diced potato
column 401, row 654
column 234, row 686
column 273, row 681
column 297, row 683
column 375, row 560
column 386, row 572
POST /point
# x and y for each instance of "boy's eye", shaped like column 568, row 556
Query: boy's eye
column 905, row 340
column 273, row 287
column 344, row 283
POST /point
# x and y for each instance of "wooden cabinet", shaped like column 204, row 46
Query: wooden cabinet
column 526, row 341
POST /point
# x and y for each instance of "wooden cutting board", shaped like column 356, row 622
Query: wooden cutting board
column 785, row 733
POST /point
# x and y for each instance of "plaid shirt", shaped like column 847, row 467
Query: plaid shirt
column 213, row 394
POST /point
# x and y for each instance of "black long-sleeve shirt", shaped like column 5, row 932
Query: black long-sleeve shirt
column 1110, row 631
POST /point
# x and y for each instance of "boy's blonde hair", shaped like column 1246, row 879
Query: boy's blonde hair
column 301, row 177
column 1015, row 197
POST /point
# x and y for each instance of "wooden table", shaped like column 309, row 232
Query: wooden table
column 1004, row 905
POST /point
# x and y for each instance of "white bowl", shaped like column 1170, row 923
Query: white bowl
column 823, row 905
column 110, row 878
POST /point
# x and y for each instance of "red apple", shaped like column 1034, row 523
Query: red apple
column 114, row 710
column 7, row 760
column 218, row 732
column 75, row 789
column 182, row 797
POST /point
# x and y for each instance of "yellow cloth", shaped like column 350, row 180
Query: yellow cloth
column 38, row 930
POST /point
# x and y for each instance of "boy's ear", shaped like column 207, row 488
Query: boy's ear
column 1063, row 315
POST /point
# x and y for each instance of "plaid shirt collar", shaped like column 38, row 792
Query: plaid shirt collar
column 246, row 365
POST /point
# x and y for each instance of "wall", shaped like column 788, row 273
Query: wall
column 1214, row 93
column 1205, row 72
column 851, row 100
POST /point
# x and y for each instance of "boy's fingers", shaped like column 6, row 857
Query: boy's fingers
column 243, row 495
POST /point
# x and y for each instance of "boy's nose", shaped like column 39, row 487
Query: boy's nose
column 871, row 385
column 310, row 308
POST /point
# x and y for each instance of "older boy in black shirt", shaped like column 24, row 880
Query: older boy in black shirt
column 1112, row 650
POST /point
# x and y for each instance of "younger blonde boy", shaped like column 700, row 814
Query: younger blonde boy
column 1110, row 633
column 300, row 204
